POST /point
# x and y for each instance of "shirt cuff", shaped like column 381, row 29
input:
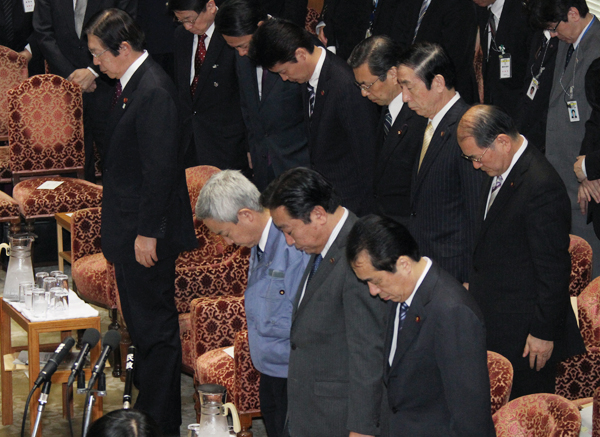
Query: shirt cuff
column 94, row 72
column 28, row 48
column 583, row 167
column 319, row 26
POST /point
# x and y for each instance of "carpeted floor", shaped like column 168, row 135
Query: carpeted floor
column 52, row 421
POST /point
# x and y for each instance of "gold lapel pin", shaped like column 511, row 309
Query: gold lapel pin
column 322, row 92
column 417, row 319
column 399, row 132
column 442, row 133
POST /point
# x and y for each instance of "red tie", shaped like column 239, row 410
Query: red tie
column 198, row 60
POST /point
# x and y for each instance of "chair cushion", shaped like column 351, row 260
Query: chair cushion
column 538, row 415
column 70, row 196
column 501, row 378
column 13, row 71
column 581, row 265
column 9, row 208
column 90, row 273
column 5, row 173
column 216, row 367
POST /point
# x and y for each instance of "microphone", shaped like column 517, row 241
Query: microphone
column 128, row 377
column 59, row 355
column 89, row 340
column 109, row 343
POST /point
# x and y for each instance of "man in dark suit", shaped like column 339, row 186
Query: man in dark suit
column 450, row 23
column 521, row 262
column 445, row 189
column 505, row 40
column 272, row 108
column 205, row 75
column 146, row 214
column 341, row 124
column 436, row 370
column 400, row 130
column 334, row 378
column 16, row 33
column 58, row 30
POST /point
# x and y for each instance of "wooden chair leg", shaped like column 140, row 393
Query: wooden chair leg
column 246, row 423
column 125, row 343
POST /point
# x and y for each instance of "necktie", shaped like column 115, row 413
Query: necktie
column 426, row 140
column 80, row 7
column 492, row 30
column 401, row 315
column 569, row 54
column 7, row 5
column 311, row 99
column 314, row 268
column 259, row 253
column 387, row 123
column 494, row 192
column 422, row 12
column 265, row 74
column 478, row 66
column 371, row 20
column 116, row 95
column 198, row 60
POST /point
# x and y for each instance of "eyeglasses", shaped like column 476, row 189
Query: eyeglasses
column 472, row 158
column 553, row 30
column 190, row 22
column 364, row 86
column 97, row 55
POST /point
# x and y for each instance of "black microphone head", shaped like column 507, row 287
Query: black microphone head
column 112, row 338
column 67, row 345
column 91, row 336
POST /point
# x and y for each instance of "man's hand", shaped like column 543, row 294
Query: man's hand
column 539, row 351
column 26, row 54
column 84, row 78
column 583, row 198
column 591, row 189
column 355, row 434
column 323, row 39
column 145, row 250
column 578, row 168
column 466, row 285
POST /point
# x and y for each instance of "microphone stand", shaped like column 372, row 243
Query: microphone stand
column 43, row 400
column 90, row 400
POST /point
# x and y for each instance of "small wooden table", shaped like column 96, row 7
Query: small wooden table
column 34, row 329
column 63, row 222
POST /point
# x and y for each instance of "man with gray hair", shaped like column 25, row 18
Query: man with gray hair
column 229, row 205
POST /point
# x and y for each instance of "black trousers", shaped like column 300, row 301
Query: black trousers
column 273, row 403
column 147, row 300
column 96, row 111
column 529, row 381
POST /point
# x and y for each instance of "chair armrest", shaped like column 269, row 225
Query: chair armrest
column 215, row 321
column 85, row 233
column 247, row 378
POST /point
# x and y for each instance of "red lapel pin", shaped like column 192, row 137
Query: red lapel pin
column 322, row 92
column 331, row 260
column 417, row 319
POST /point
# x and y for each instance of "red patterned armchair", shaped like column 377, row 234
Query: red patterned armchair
column 581, row 265
column 501, row 379
column 219, row 323
column 579, row 376
column 13, row 71
column 45, row 133
column 212, row 269
column 538, row 415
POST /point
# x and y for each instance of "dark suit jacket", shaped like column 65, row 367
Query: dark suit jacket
column 23, row 35
column 515, row 34
column 54, row 24
column 395, row 162
column 521, row 262
column 293, row 10
column 590, row 146
column 450, row 23
column 335, row 373
column 438, row 383
column 346, row 23
column 145, row 191
column 275, row 123
column 532, row 114
column 444, row 197
column 213, row 118
column 341, row 135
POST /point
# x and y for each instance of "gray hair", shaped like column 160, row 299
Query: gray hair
column 224, row 194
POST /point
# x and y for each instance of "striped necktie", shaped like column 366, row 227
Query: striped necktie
column 422, row 12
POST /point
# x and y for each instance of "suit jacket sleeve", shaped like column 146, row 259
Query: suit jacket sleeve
column 464, row 379
column 548, row 225
column 590, row 147
column 45, row 34
column 364, row 317
column 159, row 162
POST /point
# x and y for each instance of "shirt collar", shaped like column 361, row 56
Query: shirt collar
column 265, row 235
column 435, row 121
column 420, row 281
column 335, row 233
column 496, row 8
column 583, row 32
column 314, row 79
column 395, row 107
column 132, row 69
